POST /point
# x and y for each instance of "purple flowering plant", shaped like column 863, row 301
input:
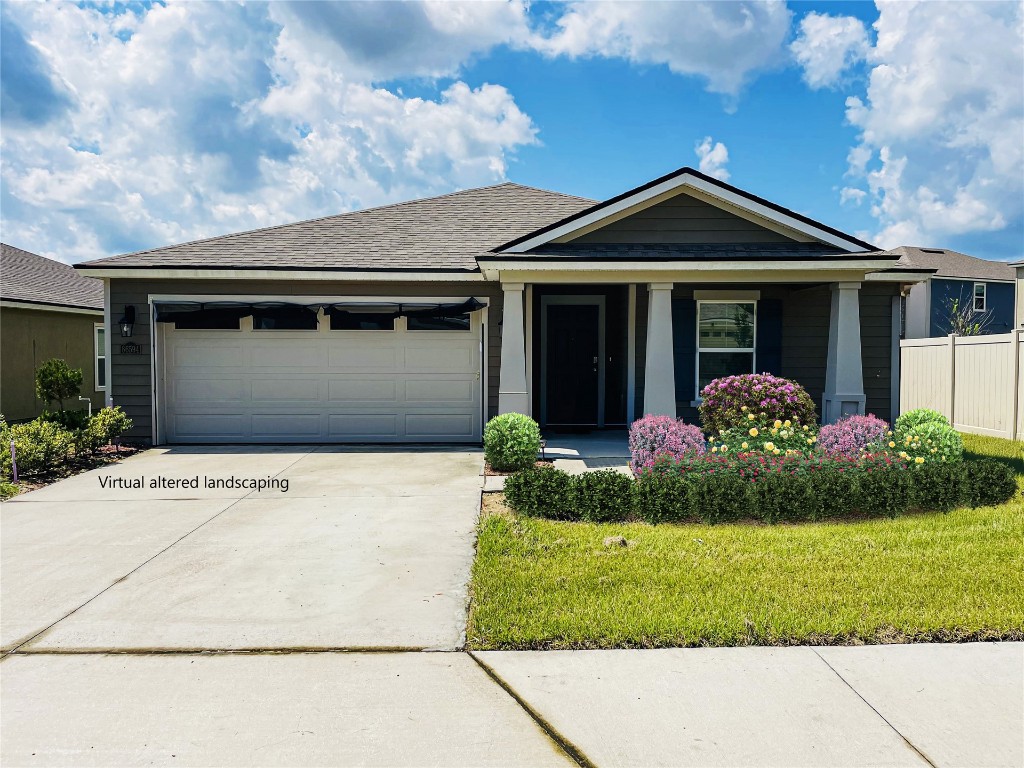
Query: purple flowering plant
column 654, row 436
column 855, row 435
column 726, row 402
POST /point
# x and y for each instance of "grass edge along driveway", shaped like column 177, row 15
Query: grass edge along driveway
column 959, row 576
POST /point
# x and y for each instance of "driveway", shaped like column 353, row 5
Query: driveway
column 367, row 548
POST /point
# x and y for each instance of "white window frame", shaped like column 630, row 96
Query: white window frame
column 752, row 349
column 983, row 297
column 99, row 352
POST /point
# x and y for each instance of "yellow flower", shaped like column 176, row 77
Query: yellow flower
column 805, row 427
column 715, row 449
column 725, row 449
column 787, row 423
column 814, row 439
column 744, row 409
column 809, row 441
column 919, row 460
column 943, row 458
column 776, row 452
column 892, row 444
column 777, row 424
column 753, row 432
column 889, row 432
column 903, row 455
column 750, row 416
column 775, row 430
column 745, row 444
column 935, row 450
column 769, row 446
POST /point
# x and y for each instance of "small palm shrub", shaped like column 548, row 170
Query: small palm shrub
column 853, row 435
column 654, row 436
column 918, row 416
column 930, row 441
column 511, row 442
column 726, row 402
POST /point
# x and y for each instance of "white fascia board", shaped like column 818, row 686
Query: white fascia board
column 897, row 277
column 278, row 274
column 50, row 308
column 714, row 265
column 677, row 183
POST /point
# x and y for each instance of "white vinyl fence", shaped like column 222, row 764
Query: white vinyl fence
column 977, row 382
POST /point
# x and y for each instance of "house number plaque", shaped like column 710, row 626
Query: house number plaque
column 131, row 349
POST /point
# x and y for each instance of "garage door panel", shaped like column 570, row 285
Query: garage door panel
column 320, row 386
column 272, row 390
column 362, row 390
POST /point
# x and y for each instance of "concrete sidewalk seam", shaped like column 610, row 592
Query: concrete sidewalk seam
column 15, row 648
column 884, row 719
column 574, row 753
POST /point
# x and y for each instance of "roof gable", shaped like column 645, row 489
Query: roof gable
column 760, row 215
column 953, row 264
column 33, row 279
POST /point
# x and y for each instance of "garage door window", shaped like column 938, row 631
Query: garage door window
column 208, row 320
column 361, row 321
column 453, row 323
column 283, row 318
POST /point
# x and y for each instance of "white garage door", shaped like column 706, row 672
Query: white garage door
column 401, row 385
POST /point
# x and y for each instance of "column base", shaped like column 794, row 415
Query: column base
column 836, row 406
column 514, row 402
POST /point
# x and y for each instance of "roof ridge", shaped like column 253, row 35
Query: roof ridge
column 316, row 219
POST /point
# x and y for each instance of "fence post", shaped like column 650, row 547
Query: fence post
column 1015, row 338
column 952, row 379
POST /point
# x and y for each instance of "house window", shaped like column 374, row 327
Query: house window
column 100, row 356
column 725, row 339
column 979, row 297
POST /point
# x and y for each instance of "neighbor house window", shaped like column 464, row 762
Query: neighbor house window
column 100, row 355
column 725, row 339
column 979, row 297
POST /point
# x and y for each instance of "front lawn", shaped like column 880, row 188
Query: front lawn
column 956, row 576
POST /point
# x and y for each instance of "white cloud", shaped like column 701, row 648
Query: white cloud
column 725, row 43
column 713, row 157
column 826, row 46
column 852, row 195
column 941, row 121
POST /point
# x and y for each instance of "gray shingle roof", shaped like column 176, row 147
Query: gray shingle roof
column 676, row 252
column 443, row 233
column 36, row 279
column 952, row 264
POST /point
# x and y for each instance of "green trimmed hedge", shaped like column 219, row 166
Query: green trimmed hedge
column 831, row 491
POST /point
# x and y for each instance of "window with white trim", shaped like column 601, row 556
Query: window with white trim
column 100, row 357
column 725, row 339
column 979, row 296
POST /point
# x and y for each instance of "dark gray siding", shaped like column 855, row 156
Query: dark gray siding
column 682, row 219
column 131, row 374
column 641, row 349
column 876, row 346
column 999, row 301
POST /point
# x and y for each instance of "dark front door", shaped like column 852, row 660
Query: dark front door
column 573, row 338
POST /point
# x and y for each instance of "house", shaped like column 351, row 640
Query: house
column 47, row 310
column 986, row 287
column 418, row 321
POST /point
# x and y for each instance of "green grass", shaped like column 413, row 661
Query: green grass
column 955, row 576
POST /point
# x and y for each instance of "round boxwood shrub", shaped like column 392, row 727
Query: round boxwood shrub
column 726, row 402
column 989, row 482
column 511, row 442
column 852, row 435
column 541, row 492
column 939, row 486
column 918, row 416
column 603, row 496
column 654, row 436
column 930, row 441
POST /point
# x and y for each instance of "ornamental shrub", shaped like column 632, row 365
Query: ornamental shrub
column 726, row 402
column 988, row 482
column 653, row 436
column 930, row 441
column 602, row 496
column 758, row 434
column 511, row 442
column 722, row 496
column 663, row 498
column 40, row 446
column 783, row 496
column 56, row 382
column 918, row 416
column 68, row 419
column 854, row 435
column 112, row 423
column 541, row 492
column 939, row 486
column 884, row 493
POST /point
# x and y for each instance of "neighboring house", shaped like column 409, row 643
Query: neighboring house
column 47, row 310
column 1019, row 314
column 987, row 287
column 418, row 321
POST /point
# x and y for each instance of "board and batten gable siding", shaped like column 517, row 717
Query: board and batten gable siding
column 682, row 219
column 131, row 377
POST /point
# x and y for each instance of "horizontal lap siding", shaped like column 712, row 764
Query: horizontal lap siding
column 876, row 345
column 131, row 380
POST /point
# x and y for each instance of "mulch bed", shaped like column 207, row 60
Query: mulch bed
column 492, row 472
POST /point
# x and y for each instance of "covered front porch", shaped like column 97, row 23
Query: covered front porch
column 597, row 355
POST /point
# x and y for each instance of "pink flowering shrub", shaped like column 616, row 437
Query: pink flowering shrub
column 853, row 435
column 726, row 402
column 654, row 436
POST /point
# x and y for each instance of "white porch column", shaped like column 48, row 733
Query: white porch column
column 512, row 391
column 844, row 375
column 659, row 371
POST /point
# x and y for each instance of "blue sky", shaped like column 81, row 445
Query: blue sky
column 132, row 126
